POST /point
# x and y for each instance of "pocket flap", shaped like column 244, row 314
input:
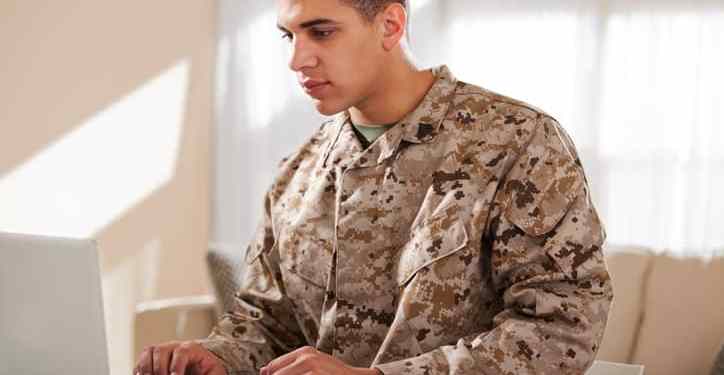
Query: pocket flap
column 428, row 244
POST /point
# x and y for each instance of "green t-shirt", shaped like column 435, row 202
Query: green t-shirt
column 367, row 134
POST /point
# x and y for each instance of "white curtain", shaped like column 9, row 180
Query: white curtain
column 638, row 85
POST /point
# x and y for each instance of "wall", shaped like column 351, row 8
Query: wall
column 106, row 115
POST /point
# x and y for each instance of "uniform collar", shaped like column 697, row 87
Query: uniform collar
column 419, row 126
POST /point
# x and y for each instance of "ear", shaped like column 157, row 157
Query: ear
column 394, row 21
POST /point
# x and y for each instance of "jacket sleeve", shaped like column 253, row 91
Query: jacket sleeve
column 545, row 243
column 262, row 324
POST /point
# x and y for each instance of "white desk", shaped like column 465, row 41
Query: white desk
column 613, row 368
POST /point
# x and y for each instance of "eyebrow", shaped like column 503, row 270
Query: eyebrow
column 308, row 24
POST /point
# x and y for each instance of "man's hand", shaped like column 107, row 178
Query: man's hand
column 178, row 358
column 310, row 361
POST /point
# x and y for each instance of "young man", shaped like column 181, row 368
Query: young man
column 431, row 227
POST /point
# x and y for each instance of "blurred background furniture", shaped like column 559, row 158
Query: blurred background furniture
column 667, row 315
column 668, row 311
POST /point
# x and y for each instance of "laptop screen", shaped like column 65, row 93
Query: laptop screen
column 51, row 307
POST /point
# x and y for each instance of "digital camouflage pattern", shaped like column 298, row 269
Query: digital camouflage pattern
column 462, row 241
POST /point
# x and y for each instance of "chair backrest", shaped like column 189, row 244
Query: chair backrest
column 629, row 267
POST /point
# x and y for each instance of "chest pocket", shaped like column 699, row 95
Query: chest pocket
column 429, row 243
column 309, row 260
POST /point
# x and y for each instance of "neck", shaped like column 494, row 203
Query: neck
column 400, row 91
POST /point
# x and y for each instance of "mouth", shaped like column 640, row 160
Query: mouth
column 315, row 88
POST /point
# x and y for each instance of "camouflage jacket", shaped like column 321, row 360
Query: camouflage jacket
column 461, row 241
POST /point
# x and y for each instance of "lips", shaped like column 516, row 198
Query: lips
column 310, row 84
column 316, row 89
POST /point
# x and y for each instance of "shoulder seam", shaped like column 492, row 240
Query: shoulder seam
column 516, row 103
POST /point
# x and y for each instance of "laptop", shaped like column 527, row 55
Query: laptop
column 51, row 307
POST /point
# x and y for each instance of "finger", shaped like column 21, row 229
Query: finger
column 150, row 362
column 156, row 361
column 284, row 360
column 179, row 361
column 144, row 361
column 160, row 361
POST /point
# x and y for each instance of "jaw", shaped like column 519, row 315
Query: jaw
column 332, row 103
column 327, row 107
column 324, row 111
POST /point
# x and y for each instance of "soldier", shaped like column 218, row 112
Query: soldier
column 430, row 227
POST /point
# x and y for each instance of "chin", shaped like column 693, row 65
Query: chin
column 328, row 108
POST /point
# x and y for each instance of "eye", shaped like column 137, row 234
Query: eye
column 321, row 34
column 287, row 36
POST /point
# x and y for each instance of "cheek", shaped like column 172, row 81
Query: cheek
column 353, row 56
column 352, row 66
column 353, row 87
column 359, row 67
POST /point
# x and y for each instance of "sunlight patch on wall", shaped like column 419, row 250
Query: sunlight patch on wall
column 92, row 175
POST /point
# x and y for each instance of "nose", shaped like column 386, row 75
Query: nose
column 302, row 56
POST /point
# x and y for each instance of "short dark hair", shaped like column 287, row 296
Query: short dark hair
column 368, row 9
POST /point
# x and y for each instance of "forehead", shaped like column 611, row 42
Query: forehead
column 292, row 13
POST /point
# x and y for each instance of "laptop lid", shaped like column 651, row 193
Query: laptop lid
column 51, row 307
